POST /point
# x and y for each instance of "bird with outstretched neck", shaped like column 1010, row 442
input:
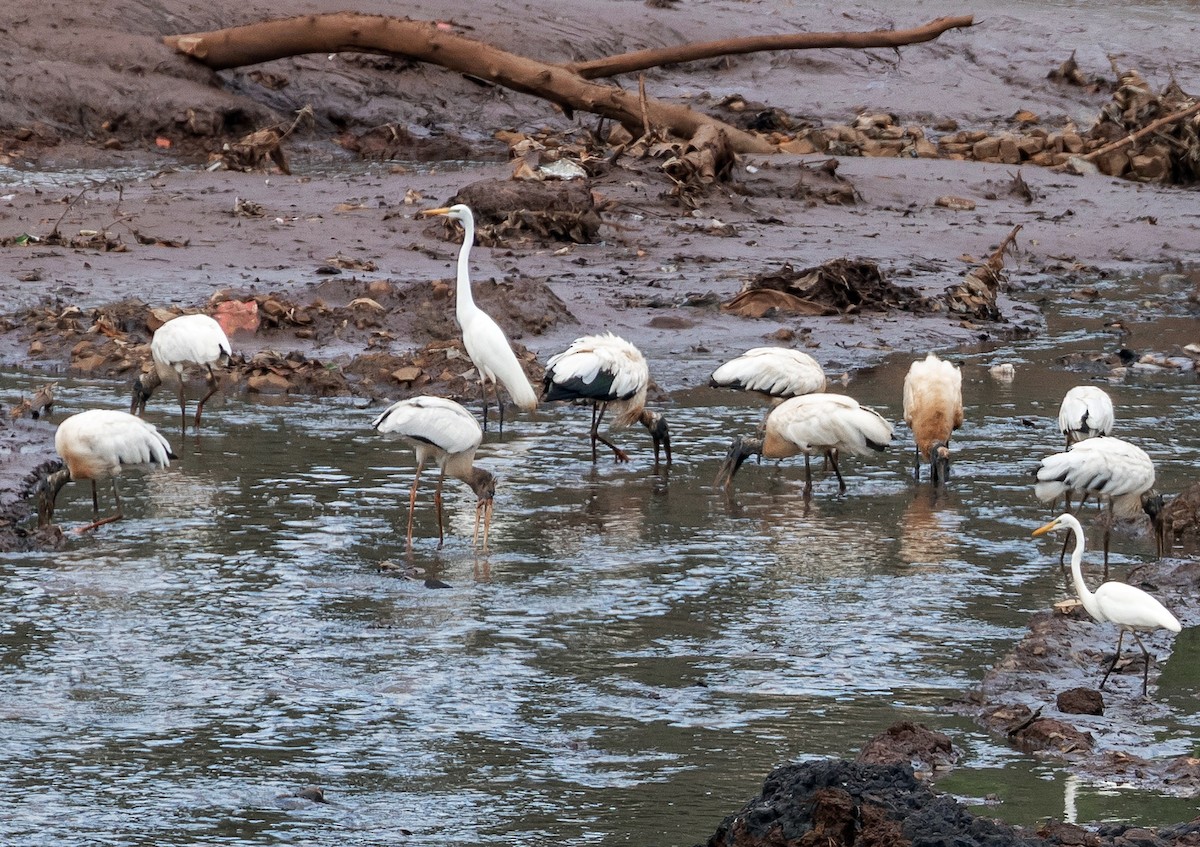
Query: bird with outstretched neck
column 486, row 344
column 1130, row 608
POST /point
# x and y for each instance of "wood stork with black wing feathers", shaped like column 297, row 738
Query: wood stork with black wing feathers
column 99, row 444
column 809, row 424
column 442, row 431
column 1128, row 607
column 1086, row 411
column 486, row 344
column 774, row 372
column 933, row 409
column 610, row 373
column 1110, row 469
column 181, row 344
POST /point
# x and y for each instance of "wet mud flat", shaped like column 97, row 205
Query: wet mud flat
column 352, row 290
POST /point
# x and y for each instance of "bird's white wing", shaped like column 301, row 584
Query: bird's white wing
column 432, row 420
column 597, row 367
column 189, row 338
column 495, row 360
column 777, row 371
column 112, row 438
column 1086, row 410
column 1130, row 606
column 1107, row 466
column 831, row 420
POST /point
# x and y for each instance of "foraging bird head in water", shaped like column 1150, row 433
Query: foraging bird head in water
column 659, row 433
column 939, row 465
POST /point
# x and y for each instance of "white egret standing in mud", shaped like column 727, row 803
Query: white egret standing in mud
column 1086, row 411
column 486, row 345
column 1128, row 607
column 442, row 431
column 610, row 373
column 812, row 423
column 99, row 444
column 1111, row 470
column 933, row 409
column 181, row 344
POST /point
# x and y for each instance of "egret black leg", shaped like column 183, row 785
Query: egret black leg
column 1116, row 658
column 917, row 466
column 807, row 476
column 483, row 393
column 1146, row 667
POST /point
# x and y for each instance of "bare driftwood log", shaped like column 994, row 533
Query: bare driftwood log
column 566, row 86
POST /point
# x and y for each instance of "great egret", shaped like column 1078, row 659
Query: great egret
column 487, row 346
column 99, row 444
column 812, row 423
column 179, row 345
column 609, row 372
column 933, row 409
column 442, row 431
column 1086, row 411
column 775, row 372
column 1128, row 607
column 1112, row 470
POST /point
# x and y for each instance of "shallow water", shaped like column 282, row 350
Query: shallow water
column 633, row 655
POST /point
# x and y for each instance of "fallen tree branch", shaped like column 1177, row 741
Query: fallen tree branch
column 643, row 59
column 1149, row 128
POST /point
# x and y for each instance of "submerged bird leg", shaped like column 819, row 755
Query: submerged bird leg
column 917, row 466
column 1116, row 658
column 841, row 482
column 437, row 500
column 618, row 454
column 483, row 393
column 1146, row 666
column 115, row 516
column 95, row 501
column 182, row 408
column 412, row 501
column 500, row 408
column 211, row 379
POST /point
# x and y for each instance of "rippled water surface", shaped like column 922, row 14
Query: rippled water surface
column 624, row 667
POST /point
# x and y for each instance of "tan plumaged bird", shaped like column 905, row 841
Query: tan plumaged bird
column 933, row 409
column 610, row 373
column 812, row 424
column 487, row 346
column 183, row 344
column 1130, row 608
column 1086, row 412
column 98, row 444
column 442, row 431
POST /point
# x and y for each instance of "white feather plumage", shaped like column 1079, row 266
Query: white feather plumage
column 486, row 344
column 1086, row 411
column 1101, row 467
column 778, row 372
column 814, row 423
column 98, row 443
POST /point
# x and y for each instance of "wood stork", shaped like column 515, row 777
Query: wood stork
column 609, row 372
column 182, row 344
column 1086, row 411
column 933, row 409
column 1112, row 470
column 812, row 423
column 1128, row 607
column 99, row 444
column 486, row 345
column 1173, row 519
column 442, row 431
column 774, row 372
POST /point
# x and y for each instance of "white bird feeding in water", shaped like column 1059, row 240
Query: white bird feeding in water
column 442, row 431
column 99, row 444
column 812, row 423
column 1109, row 469
column 486, row 345
column 933, row 409
column 182, row 344
column 774, row 372
column 1128, row 607
column 609, row 372
column 1086, row 411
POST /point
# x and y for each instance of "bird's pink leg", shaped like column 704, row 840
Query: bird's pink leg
column 618, row 454
column 412, row 502
column 212, row 389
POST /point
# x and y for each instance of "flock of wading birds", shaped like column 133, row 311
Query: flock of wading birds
column 611, row 374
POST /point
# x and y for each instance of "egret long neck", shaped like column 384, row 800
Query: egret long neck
column 1085, row 596
column 464, row 303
